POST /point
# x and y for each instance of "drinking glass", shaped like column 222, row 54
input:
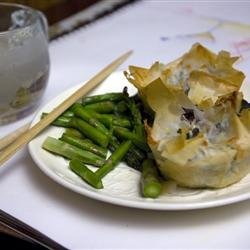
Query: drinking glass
column 24, row 60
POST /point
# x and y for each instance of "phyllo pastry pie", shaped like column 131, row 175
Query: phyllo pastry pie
column 200, row 136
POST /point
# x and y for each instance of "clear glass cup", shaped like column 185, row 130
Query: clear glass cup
column 24, row 60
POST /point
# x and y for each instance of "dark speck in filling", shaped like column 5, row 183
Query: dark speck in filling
column 179, row 131
column 188, row 115
column 219, row 127
column 191, row 134
column 195, row 132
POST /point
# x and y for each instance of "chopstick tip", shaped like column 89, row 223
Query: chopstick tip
column 130, row 52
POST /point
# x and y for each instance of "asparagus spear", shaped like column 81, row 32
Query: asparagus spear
column 86, row 129
column 61, row 121
column 74, row 133
column 122, row 122
column 85, row 144
column 91, row 132
column 150, row 181
column 101, row 107
column 146, row 112
column 105, row 119
column 107, row 107
column 114, row 159
column 134, row 157
column 100, row 98
column 86, row 115
column 68, row 113
column 86, row 174
column 120, row 108
column 138, row 125
column 124, row 133
column 69, row 151
column 108, row 120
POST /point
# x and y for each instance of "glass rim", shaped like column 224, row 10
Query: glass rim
column 35, row 15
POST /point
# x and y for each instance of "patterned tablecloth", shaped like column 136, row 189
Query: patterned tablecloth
column 155, row 30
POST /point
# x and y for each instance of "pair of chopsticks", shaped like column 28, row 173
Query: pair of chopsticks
column 27, row 136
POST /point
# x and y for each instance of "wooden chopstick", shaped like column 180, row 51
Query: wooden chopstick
column 37, row 128
column 12, row 136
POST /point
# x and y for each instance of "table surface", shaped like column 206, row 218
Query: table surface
column 155, row 30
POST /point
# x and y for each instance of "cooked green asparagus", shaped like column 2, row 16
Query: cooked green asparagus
column 61, row 121
column 69, row 151
column 68, row 113
column 134, row 157
column 85, row 144
column 84, row 127
column 87, row 116
column 86, row 174
column 109, row 120
column 101, row 98
column 137, row 119
column 73, row 132
column 114, row 159
column 91, row 132
column 150, row 181
column 124, row 133
column 113, row 121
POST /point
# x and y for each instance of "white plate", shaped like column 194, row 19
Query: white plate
column 121, row 186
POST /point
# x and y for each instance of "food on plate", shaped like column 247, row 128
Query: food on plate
column 113, row 122
column 95, row 178
column 151, row 182
column 200, row 135
column 188, row 123
column 84, row 144
column 69, row 151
